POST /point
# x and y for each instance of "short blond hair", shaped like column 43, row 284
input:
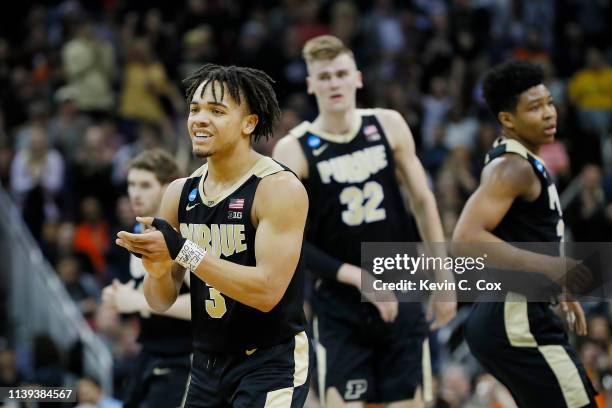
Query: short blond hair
column 324, row 47
column 157, row 161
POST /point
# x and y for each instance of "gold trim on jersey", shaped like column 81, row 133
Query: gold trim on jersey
column 560, row 363
column 280, row 398
column 321, row 356
column 516, row 322
column 263, row 167
column 514, row 146
column 199, row 171
column 300, row 358
column 283, row 397
column 427, row 372
column 305, row 127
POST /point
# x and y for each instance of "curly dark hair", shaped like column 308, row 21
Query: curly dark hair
column 503, row 84
column 252, row 84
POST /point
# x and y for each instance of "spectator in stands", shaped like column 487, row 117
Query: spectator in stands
column 455, row 181
column 9, row 375
column 92, row 236
column 587, row 215
column 82, row 288
column 455, row 385
column 145, row 83
column 37, row 176
column 436, row 106
column 91, row 171
column 67, row 127
column 89, row 65
column 591, row 90
column 488, row 392
column 90, row 395
column 461, row 130
column 162, row 38
column 48, row 368
column 198, row 45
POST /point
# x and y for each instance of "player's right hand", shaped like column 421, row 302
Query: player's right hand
column 573, row 275
column 384, row 301
column 387, row 308
column 574, row 316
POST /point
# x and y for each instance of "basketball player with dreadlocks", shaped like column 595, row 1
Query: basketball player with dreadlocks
column 241, row 219
column 522, row 343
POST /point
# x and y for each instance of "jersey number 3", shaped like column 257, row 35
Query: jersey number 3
column 215, row 306
column 362, row 204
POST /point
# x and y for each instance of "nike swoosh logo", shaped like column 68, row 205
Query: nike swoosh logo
column 190, row 207
column 249, row 352
column 317, row 152
column 160, row 371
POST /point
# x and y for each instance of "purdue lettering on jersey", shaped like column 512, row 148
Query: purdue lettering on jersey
column 220, row 239
column 354, row 167
column 352, row 188
column 223, row 226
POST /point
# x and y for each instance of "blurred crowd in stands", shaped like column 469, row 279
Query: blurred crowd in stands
column 84, row 86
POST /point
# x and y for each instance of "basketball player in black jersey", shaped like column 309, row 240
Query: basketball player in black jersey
column 348, row 159
column 241, row 219
column 523, row 344
column 159, row 378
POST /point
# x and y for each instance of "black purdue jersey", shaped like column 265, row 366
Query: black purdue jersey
column 161, row 334
column 537, row 221
column 353, row 189
column 222, row 225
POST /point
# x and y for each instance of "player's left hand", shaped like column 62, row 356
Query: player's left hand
column 574, row 316
column 150, row 244
column 442, row 308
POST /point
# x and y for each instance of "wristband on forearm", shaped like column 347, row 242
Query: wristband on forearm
column 183, row 251
column 190, row 255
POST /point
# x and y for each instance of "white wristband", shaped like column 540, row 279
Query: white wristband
column 190, row 255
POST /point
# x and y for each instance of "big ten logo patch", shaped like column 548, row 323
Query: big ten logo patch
column 234, row 215
column 355, row 389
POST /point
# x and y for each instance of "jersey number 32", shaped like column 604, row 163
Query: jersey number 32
column 362, row 205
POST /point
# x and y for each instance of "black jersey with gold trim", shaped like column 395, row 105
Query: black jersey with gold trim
column 160, row 335
column 353, row 190
column 223, row 226
column 536, row 221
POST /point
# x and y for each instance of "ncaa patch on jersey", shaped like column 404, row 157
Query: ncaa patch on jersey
column 314, row 141
column 540, row 167
column 193, row 194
